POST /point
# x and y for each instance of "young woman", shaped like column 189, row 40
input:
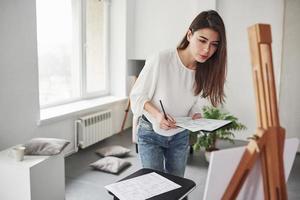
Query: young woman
column 178, row 78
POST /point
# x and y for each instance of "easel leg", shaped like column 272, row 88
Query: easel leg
column 126, row 112
column 125, row 116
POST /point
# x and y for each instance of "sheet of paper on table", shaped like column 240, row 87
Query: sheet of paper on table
column 142, row 187
column 201, row 124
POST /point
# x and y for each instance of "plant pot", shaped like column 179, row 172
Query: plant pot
column 207, row 154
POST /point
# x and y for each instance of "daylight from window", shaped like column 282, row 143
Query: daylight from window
column 96, row 80
column 58, row 76
column 70, row 50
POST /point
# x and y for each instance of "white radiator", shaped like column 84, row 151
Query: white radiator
column 93, row 128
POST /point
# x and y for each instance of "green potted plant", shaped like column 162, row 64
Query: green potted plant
column 207, row 140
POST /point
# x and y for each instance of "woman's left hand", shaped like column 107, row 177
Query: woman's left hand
column 197, row 116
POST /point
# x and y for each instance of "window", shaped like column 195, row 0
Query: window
column 94, row 52
column 71, row 50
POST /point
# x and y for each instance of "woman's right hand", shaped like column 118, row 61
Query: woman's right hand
column 166, row 124
column 159, row 116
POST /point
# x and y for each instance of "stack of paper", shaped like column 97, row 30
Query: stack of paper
column 142, row 187
column 201, row 124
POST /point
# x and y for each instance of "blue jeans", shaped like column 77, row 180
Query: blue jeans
column 166, row 154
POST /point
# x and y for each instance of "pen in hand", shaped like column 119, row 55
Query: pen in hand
column 162, row 107
column 170, row 121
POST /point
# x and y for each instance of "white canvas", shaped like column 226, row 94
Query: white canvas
column 223, row 164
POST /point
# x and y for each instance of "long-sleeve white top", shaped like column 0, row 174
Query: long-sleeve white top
column 164, row 77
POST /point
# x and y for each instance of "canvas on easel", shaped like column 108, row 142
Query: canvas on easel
column 219, row 173
column 266, row 146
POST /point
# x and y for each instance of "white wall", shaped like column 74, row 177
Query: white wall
column 118, row 55
column 159, row 25
column 18, row 72
column 238, row 16
column 19, row 104
column 290, row 82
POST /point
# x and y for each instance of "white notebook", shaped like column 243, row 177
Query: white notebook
column 201, row 124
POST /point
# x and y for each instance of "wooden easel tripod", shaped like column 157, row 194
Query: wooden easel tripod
column 126, row 112
column 268, row 141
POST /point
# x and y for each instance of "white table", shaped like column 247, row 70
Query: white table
column 34, row 178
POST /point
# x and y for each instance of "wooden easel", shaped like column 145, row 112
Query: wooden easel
column 125, row 115
column 268, row 141
column 126, row 111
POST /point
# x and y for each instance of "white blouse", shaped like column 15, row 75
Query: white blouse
column 165, row 78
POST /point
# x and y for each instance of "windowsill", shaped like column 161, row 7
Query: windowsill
column 61, row 112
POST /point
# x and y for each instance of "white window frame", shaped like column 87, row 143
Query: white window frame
column 84, row 93
column 79, row 13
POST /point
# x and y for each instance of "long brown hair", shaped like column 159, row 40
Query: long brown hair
column 210, row 76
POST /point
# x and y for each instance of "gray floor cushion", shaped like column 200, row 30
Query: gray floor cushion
column 115, row 150
column 110, row 164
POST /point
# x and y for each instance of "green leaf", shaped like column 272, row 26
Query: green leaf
column 207, row 140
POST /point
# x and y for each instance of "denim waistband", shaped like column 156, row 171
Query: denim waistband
column 145, row 118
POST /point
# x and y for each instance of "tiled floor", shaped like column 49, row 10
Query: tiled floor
column 83, row 183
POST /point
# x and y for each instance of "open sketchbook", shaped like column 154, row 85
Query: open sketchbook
column 201, row 124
